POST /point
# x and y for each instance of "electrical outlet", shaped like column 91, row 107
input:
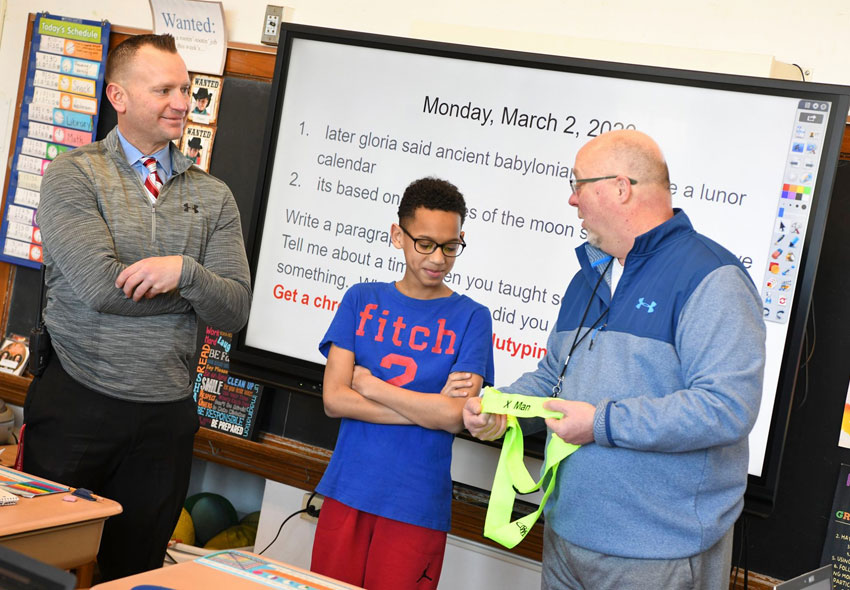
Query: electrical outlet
column 271, row 24
column 313, row 508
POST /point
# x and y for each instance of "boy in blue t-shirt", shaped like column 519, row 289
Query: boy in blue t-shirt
column 403, row 358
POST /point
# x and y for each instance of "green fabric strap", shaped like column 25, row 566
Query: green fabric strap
column 512, row 477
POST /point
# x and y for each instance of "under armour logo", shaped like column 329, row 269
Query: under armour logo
column 425, row 575
column 650, row 307
column 187, row 206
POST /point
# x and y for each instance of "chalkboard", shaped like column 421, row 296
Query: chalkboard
column 239, row 140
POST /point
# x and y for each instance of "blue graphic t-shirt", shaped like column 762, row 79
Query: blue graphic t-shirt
column 394, row 471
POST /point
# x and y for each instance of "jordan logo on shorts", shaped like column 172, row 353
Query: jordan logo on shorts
column 425, row 575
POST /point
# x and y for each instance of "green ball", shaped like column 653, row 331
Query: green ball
column 211, row 514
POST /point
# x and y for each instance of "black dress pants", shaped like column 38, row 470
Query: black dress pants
column 138, row 454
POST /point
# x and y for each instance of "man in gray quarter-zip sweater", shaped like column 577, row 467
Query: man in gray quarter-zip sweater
column 135, row 253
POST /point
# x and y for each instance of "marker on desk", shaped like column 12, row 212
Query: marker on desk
column 85, row 494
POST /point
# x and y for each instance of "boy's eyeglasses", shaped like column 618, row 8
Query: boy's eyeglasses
column 426, row 246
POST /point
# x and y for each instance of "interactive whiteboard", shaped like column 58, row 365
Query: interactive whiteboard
column 358, row 117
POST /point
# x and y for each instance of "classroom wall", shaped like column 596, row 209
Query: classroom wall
column 812, row 34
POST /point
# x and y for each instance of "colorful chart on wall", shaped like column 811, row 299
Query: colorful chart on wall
column 60, row 110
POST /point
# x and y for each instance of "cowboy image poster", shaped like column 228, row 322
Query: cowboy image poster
column 206, row 96
column 197, row 143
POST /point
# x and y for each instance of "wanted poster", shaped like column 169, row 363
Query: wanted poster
column 206, row 97
column 197, row 143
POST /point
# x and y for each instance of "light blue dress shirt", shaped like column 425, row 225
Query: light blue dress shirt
column 135, row 157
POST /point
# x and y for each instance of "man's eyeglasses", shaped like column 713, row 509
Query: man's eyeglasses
column 426, row 246
column 576, row 182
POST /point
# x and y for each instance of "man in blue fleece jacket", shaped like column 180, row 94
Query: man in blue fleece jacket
column 659, row 353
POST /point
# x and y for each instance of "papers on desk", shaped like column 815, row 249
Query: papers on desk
column 7, row 498
column 272, row 574
column 25, row 485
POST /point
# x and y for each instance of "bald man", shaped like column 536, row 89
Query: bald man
column 139, row 244
column 659, row 352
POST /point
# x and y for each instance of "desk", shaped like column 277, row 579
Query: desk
column 234, row 570
column 7, row 455
column 63, row 534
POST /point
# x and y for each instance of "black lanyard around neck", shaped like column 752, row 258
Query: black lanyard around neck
column 556, row 390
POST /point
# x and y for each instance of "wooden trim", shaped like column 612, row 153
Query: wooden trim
column 251, row 47
column 249, row 64
column 13, row 388
column 755, row 582
column 250, row 61
column 271, row 456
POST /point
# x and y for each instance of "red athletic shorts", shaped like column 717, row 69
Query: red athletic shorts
column 375, row 552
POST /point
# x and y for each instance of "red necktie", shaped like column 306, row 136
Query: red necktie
column 152, row 182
